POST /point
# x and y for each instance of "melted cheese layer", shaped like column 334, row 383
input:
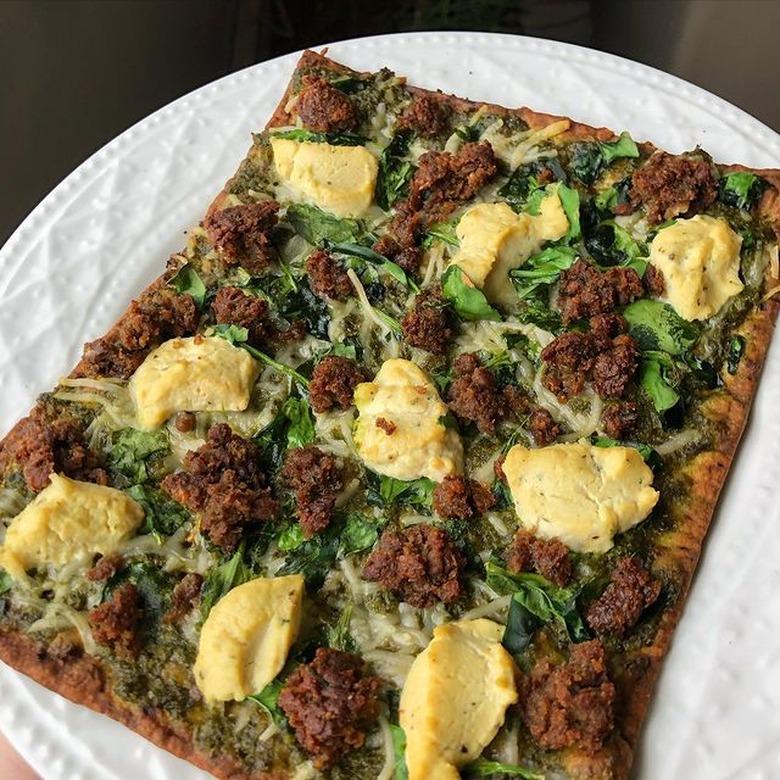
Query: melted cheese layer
column 699, row 260
column 455, row 698
column 247, row 636
column 192, row 375
column 400, row 430
column 68, row 519
column 339, row 179
column 579, row 493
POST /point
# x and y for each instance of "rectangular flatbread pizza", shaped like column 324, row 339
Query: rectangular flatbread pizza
column 402, row 467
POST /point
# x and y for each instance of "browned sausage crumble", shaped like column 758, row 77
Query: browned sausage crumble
column 323, row 108
column 326, row 276
column 184, row 597
column 619, row 419
column 570, row 704
column 632, row 589
column 584, row 291
column 654, row 281
column 548, row 557
column 105, row 568
column 440, row 184
column 316, row 479
column 670, row 185
column 115, row 623
column 156, row 316
column 232, row 306
column 428, row 324
column 605, row 355
column 330, row 704
column 42, row 446
column 474, row 395
column 242, row 234
column 459, row 498
column 223, row 481
column 426, row 116
column 420, row 564
column 333, row 383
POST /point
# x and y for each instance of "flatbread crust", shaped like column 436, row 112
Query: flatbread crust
column 86, row 680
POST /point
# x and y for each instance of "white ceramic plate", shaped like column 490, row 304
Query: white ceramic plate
column 106, row 231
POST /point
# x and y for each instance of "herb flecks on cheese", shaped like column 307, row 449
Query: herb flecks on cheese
column 455, row 698
column 579, row 493
column 339, row 179
column 494, row 240
column 68, row 519
column 401, row 430
column 699, row 260
column 192, row 375
column 247, row 636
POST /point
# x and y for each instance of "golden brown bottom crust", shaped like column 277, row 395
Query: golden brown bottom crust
column 84, row 680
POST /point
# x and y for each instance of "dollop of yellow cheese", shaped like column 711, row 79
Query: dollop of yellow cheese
column 339, row 179
column 579, row 493
column 455, row 698
column 192, row 375
column 400, row 430
column 246, row 637
column 494, row 240
column 68, row 519
column 699, row 260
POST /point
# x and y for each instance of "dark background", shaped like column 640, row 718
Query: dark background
column 74, row 73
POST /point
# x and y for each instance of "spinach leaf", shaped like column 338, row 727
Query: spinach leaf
column 741, row 190
column 291, row 538
column 623, row 147
column 537, row 312
column 6, row 582
column 162, row 515
column 441, row 231
column 570, row 201
column 736, row 350
column 300, row 431
column 380, row 261
column 525, row 180
column 399, row 749
column 395, row 171
column 359, row 533
column 657, row 326
column 222, row 579
column 272, row 441
column 589, row 159
column 417, row 492
column 133, row 453
column 317, row 226
column 521, row 625
column 348, row 84
column 338, row 635
column 541, row 599
column 653, row 373
column 544, row 268
column 468, row 301
column 609, row 244
column 314, row 557
column 303, row 304
column 187, row 281
column 483, row 767
column 334, row 139
column 268, row 699
column 237, row 336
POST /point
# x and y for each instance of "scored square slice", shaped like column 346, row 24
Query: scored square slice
column 404, row 464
